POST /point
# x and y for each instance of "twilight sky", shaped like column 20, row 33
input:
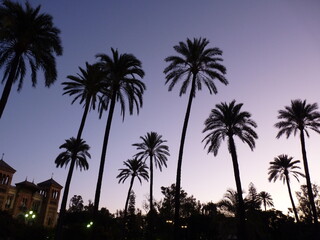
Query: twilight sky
column 272, row 54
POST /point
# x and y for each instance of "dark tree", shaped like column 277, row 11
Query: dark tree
column 76, row 153
column 300, row 116
column 122, row 72
column 134, row 168
column 27, row 37
column 227, row 121
column 281, row 168
column 196, row 65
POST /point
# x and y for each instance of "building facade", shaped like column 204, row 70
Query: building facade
column 42, row 198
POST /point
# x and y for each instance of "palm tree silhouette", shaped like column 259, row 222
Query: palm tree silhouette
column 281, row 167
column 76, row 152
column 266, row 199
column 196, row 65
column 227, row 121
column 153, row 147
column 122, row 73
column 230, row 202
column 134, row 168
column 27, row 37
column 300, row 116
column 85, row 87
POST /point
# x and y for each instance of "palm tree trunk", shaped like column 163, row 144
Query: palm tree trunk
column 58, row 234
column 265, row 205
column 127, row 200
column 84, row 117
column 103, row 157
column 291, row 199
column 240, row 210
column 178, row 177
column 151, row 212
column 9, row 83
column 306, row 169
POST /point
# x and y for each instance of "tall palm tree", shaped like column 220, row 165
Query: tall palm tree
column 153, row 147
column 134, row 168
column 196, row 65
column 266, row 199
column 281, row 167
column 85, row 87
column 300, row 116
column 123, row 73
column 76, row 153
column 26, row 37
column 227, row 121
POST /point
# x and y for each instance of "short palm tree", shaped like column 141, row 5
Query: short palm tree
column 85, row 87
column 76, row 153
column 134, row 168
column 196, row 65
column 266, row 199
column 123, row 73
column 154, row 148
column 300, row 116
column 26, row 37
column 227, row 121
column 229, row 204
column 281, row 168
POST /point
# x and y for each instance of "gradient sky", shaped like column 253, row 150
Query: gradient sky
column 271, row 50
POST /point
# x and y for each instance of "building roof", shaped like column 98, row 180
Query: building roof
column 29, row 185
column 50, row 182
column 5, row 166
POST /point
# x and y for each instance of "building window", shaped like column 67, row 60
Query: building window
column 54, row 194
column 36, row 206
column 9, row 201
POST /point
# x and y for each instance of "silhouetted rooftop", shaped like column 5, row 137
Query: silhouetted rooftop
column 48, row 183
column 28, row 185
column 6, row 166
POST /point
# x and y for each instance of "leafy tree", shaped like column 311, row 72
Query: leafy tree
column 300, row 116
column 304, row 204
column 227, row 121
column 85, row 87
column 196, row 65
column 76, row 152
column 27, row 37
column 265, row 199
column 252, row 199
column 134, row 168
column 122, row 84
column 281, row 167
column 76, row 204
column 229, row 204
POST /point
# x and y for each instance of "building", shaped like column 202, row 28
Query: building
column 42, row 198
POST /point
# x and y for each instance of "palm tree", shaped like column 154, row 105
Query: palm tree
column 134, row 168
column 300, row 116
column 196, row 65
column 85, row 87
column 122, row 84
column 76, row 152
column 266, row 199
column 26, row 35
column 153, row 147
column 229, row 203
column 227, row 121
column 281, row 167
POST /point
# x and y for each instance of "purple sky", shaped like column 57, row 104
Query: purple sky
column 272, row 54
